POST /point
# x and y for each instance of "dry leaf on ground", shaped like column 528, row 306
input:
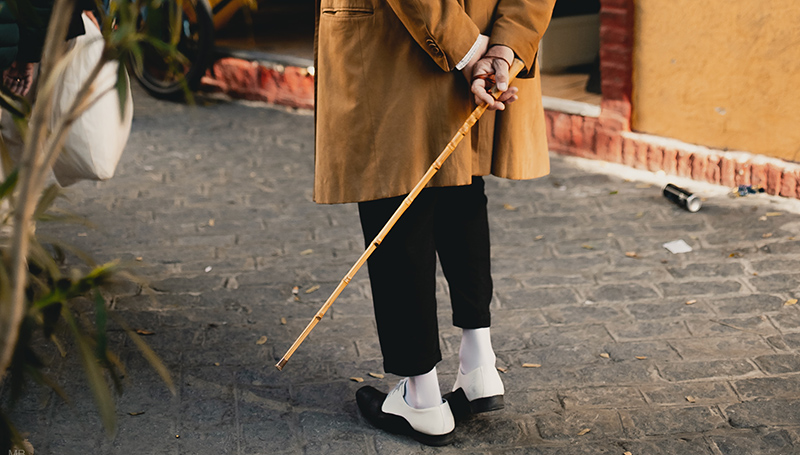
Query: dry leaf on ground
column 691, row 302
column 531, row 365
column 357, row 379
column 312, row 289
column 501, row 369
column 588, row 247
column 631, row 254
column 766, row 235
column 136, row 413
column 306, row 252
column 145, row 332
column 584, row 431
column 774, row 213
column 790, row 302
column 641, row 357
column 605, row 355
column 262, row 340
column 509, row 207
column 376, row 375
column 690, row 399
column 283, row 321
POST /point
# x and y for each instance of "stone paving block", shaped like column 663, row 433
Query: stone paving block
column 721, row 348
column 492, row 431
column 630, row 350
column 682, row 446
column 684, row 371
column 566, row 426
column 554, row 280
column 583, row 314
column 779, row 363
column 160, row 435
column 703, row 393
column 570, row 335
column 778, row 282
column 621, row 292
column 648, row 330
column 255, row 402
column 268, row 436
column 537, row 297
column 669, row 308
column 776, row 265
column 588, row 448
column 637, row 274
column 788, row 320
column 713, row 327
column 773, row 443
column 708, row 270
column 220, row 440
column 769, row 387
column 754, row 414
column 748, row 304
column 584, row 247
column 698, row 288
column 785, row 342
column 601, row 397
column 532, row 402
column 196, row 284
column 659, row 421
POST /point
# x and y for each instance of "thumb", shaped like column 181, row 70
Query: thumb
column 500, row 73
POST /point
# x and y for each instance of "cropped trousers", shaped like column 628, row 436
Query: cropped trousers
column 451, row 222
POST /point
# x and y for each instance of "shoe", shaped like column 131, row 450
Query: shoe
column 481, row 390
column 431, row 426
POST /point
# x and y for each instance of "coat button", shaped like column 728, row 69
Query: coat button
column 432, row 45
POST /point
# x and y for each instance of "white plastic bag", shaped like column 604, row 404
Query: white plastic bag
column 96, row 140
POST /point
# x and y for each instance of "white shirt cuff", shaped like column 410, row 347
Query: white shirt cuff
column 469, row 55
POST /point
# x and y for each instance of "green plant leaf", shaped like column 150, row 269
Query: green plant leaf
column 94, row 374
column 122, row 89
column 148, row 353
column 7, row 187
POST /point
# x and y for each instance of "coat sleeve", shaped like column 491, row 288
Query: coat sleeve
column 520, row 24
column 441, row 27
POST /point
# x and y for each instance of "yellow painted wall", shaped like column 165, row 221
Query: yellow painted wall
column 720, row 73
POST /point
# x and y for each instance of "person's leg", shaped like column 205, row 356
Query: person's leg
column 402, row 273
column 462, row 241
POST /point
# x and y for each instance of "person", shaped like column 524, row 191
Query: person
column 395, row 81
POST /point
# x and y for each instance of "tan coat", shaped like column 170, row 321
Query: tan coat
column 389, row 98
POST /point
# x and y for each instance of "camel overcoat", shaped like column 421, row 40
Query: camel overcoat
column 389, row 98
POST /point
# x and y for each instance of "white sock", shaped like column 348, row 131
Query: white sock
column 476, row 349
column 423, row 391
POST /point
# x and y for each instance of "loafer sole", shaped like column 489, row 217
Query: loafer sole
column 370, row 400
column 462, row 407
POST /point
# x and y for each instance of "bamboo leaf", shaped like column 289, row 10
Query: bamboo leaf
column 122, row 89
column 94, row 374
column 7, row 187
column 148, row 353
column 46, row 200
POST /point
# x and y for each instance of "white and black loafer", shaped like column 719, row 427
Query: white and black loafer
column 480, row 390
column 431, row 426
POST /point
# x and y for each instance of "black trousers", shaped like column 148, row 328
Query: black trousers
column 450, row 221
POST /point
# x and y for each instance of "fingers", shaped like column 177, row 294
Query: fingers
column 500, row 68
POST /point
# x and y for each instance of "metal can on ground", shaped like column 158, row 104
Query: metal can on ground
column 682, row 197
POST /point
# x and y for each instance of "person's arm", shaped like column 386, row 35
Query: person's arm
column 519, row 25
column 442, row 28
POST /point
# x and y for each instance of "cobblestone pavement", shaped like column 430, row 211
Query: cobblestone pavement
column 638, row 350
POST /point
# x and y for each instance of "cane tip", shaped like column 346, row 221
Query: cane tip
column 281, row 364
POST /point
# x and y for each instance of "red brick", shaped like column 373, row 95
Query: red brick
column 774, row 175
column 655, row 157
column 590, row 134
column 628, row 151
column 699, row 165
column 758, row 175
column 743, row 173
column 561, row 129
column 789, row 184
column 610, row 35
column 685, row 163
column 713, row 172
column 548, row 122
column 641, row 155
column 670, row 162
column 727, row 171
column 576, row 131
column 609, row 145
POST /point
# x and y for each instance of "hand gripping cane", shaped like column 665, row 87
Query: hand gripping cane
column 516, row 67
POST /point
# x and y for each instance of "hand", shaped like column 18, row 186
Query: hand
column 483, row 44
column 19, row 77
column 493, row 67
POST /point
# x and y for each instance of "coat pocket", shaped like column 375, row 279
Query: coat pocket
column 344, row 9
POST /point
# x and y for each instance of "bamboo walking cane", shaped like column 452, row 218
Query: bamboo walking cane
column 516, row 67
